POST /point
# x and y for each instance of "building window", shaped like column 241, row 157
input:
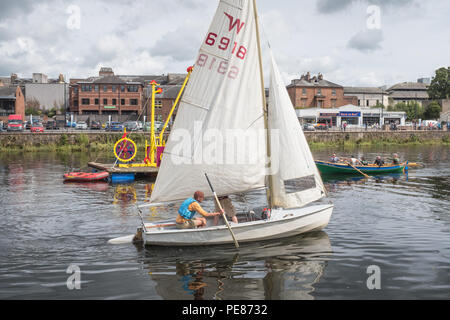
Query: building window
column 367, row 103
column 158, row 104
column 133, row 102
column 96, row 101
column 113, row 88
column 333, row 103
column 333, row 92
column 75, row 103
column 85, row 102
column 105, row 88
column 86, row 87
column 97, row 87
column 319, row 91
column 75, row 90
column 114, row 102
column 319, row 104
column 122, row 88
column 132, row 88
column 122, row 102
column 359, row 102
column 303, row 103
column 105, row 101
column 304, row 91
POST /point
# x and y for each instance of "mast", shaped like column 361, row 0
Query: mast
column 265, row 109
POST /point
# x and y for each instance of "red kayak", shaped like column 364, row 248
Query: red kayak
column 86, row 176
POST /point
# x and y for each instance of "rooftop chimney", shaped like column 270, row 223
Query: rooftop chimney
column 106, row 72
column 308, row 76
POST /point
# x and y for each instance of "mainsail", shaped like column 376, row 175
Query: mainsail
column 295, row 178
column 219, row 128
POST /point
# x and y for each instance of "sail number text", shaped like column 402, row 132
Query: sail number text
column 224, row 43
column 221, row 67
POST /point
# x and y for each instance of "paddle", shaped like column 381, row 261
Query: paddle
column 365, row 175
column 223, row 212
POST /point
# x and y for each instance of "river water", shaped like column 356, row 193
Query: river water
column 388, row 238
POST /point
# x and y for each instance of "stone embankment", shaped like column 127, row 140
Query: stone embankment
column 86, row 138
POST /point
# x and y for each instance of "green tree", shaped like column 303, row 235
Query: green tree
column 440, row 85
column 412, row 109
column 432, row 111
column 50, row 113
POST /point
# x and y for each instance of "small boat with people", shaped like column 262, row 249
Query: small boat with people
column 346, row 167
column 352, row 165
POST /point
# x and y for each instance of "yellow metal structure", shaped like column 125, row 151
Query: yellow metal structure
column 157, row 141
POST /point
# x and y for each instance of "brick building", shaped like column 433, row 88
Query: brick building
column 316, row 92
column 123, row 94
column 163, row 102
column 12, row 101
column 106, row 94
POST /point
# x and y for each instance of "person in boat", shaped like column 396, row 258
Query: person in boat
column 334, row 158
column 378, row 161
column 228, row 207
column 188, row 209
column 363, row 161
column 354, row 161
column 395, row 159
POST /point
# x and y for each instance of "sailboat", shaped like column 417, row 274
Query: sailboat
column 225, row 129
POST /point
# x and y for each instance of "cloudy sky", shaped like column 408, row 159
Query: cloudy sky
column 351, row 42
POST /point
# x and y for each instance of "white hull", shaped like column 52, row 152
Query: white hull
column 283, row 223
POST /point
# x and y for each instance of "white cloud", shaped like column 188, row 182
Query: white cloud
column 153, row 37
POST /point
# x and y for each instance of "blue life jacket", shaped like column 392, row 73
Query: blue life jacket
column 184, row 211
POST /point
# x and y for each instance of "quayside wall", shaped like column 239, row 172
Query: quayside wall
column 27, row 139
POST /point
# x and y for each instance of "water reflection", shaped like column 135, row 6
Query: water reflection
column 124, row 194
column 283, row 269
column 335, row 181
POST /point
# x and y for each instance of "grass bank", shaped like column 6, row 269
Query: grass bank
column 67, row 143
column 101, row 141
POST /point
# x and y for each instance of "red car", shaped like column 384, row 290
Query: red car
column 37, row 127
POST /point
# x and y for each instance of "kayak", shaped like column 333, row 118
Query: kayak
column 86, row 176
column 331, row 167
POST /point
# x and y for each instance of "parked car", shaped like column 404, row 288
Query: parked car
column 81, row 125
column 321, row 126
column 308, row 127
column 37, row 127
column 15, row 122
column 131, row 125
column 158, row 126
column 51, row 125
column 114, row 126
column 96, row 125
column 71, row 124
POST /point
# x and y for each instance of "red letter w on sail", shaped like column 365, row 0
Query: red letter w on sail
column 234, row 23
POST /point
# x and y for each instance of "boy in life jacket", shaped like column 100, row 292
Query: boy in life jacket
column 188, row 209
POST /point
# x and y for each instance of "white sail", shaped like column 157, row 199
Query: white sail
column 219, row 128
column 296, row 180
